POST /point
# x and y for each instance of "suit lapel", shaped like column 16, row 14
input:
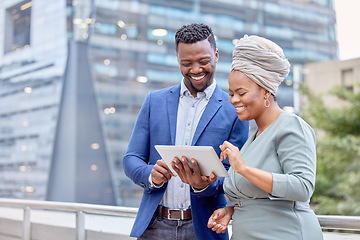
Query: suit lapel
column 172, row 109
column 211, row 109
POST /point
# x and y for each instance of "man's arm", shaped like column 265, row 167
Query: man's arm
column 135, row 162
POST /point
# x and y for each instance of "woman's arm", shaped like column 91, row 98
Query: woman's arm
column 258, row 177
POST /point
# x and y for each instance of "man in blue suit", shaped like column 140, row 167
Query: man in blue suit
column 194, row 112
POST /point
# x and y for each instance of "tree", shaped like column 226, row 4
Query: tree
column 338, row 152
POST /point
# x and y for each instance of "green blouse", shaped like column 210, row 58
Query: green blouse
column 287, row 149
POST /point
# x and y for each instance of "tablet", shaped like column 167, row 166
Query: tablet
column 206, row 157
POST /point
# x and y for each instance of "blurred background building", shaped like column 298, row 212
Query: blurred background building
column 321, row 77
column 74, row 74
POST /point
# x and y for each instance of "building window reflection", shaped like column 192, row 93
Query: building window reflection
column 18, row 20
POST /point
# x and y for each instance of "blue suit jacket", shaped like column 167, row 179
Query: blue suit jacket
column 156, row 124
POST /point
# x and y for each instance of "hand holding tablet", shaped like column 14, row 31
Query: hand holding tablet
column 205, row 156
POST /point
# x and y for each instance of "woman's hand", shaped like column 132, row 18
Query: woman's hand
column 260, row 178
column 220, row 219
column 233, row 153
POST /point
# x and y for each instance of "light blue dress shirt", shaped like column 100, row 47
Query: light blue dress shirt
column 177, row 194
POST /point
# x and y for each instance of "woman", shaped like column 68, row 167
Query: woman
column 272, row 178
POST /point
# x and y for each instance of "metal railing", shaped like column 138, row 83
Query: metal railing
column 350, row 223
column 79, row 208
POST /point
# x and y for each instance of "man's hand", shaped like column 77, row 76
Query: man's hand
column 160, row 172
column 191, row 176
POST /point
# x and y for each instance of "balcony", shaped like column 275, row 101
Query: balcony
column 45, row 220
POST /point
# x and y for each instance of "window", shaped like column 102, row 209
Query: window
column 17, row 26
column 347, row 77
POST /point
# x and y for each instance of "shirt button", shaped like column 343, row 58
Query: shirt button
column 186, row 143
column 182, row 185
column 182, row 205
column 189, row 123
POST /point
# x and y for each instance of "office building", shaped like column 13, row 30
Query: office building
column 74, row 74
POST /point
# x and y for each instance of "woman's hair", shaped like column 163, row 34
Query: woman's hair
column 193, row 33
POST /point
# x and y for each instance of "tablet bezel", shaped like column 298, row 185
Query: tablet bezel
column 206, row 157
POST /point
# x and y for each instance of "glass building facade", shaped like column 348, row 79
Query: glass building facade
column 120, row 50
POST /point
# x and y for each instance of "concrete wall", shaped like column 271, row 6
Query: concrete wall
column 321, row 77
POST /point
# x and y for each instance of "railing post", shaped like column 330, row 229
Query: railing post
column 26, row 224
column 80, row 225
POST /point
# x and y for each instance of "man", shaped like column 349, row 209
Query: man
column 194, row 112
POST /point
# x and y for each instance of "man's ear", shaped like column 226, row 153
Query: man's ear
column 216, row 55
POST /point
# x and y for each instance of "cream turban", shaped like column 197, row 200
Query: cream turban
column 262, row 61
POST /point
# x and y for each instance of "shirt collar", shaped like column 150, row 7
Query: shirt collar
column 208, row 91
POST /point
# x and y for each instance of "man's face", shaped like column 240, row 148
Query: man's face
column 197, row 64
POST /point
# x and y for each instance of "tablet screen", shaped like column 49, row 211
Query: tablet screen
column 206, row 157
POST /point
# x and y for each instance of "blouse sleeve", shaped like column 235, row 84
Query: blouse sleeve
column 296, row 150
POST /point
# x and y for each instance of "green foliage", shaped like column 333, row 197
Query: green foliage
column 338, row 152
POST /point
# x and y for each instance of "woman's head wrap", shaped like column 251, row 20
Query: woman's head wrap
column 262, row 61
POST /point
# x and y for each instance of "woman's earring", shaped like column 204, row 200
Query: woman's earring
column 267, row 102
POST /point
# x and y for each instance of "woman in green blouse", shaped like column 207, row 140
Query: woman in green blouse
column 272, row 178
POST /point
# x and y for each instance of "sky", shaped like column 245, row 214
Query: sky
column 348, row 29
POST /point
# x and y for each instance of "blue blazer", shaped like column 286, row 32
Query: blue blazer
column 156, row 124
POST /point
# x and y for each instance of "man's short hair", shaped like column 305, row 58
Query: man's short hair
column 194, row 32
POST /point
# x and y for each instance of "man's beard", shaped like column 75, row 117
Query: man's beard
column 200, row 90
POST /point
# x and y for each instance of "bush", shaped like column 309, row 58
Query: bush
column 338, row 152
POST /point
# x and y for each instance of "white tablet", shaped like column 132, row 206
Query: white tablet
column 206, row 157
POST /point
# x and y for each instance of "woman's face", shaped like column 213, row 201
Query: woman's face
column 246, row 96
